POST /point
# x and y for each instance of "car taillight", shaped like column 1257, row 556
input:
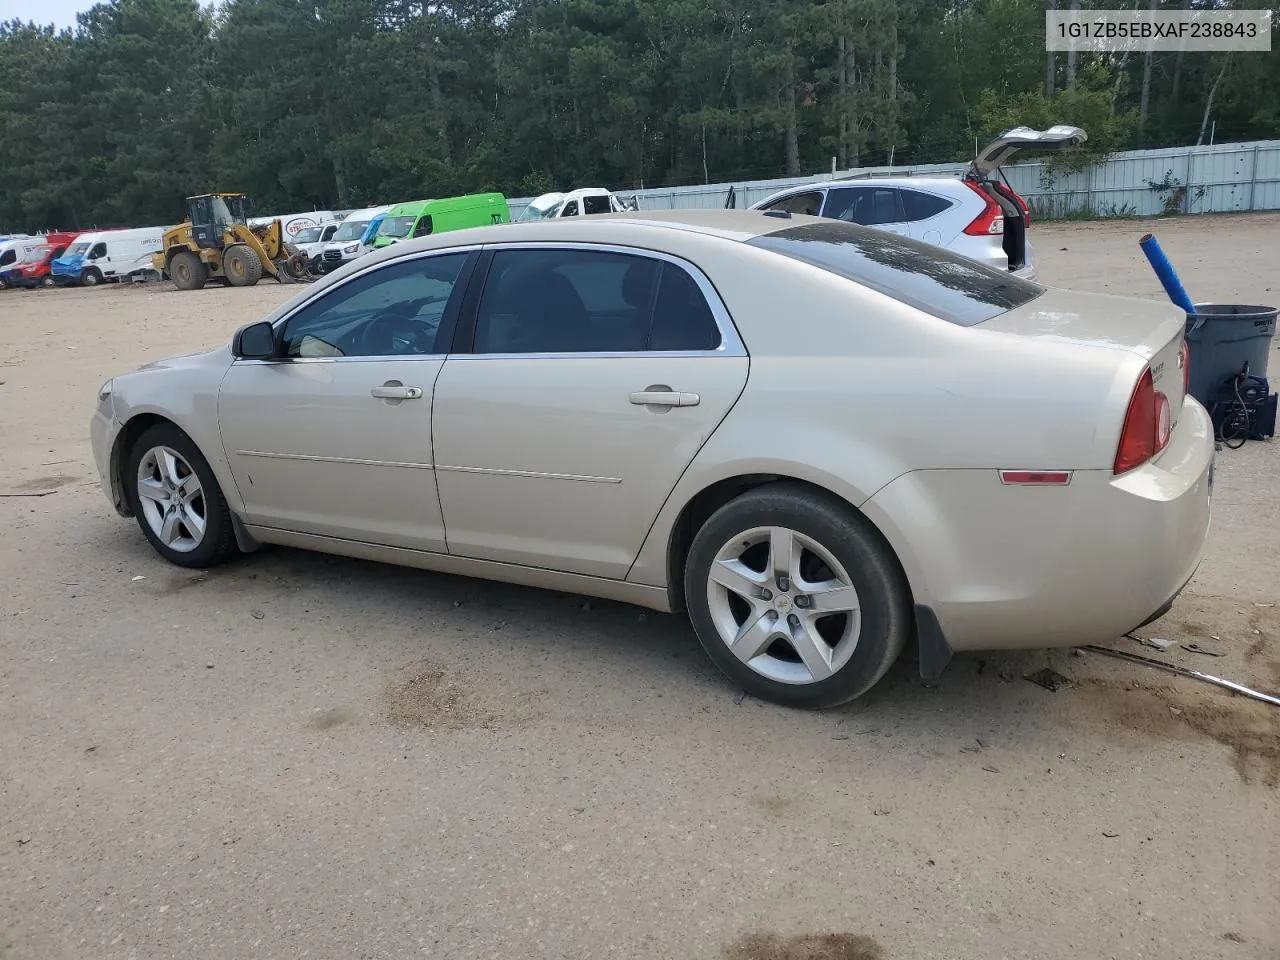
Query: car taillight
column 991, row 220
column 1186, row 368
column 1148, row 424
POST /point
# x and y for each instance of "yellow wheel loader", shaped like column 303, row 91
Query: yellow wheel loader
column 216, row 241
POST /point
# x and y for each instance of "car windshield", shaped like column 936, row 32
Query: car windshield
column 544, row 212
column 77, row 248
column 308, row 235
column 396, row 226
column 351, row 230
column 35, row 254
column 929, row 278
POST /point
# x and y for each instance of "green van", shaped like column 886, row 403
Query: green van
column 418, row 218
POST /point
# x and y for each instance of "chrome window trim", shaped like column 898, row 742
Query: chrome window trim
column 731, row 344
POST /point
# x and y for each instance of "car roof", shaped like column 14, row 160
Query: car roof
column 946, row 183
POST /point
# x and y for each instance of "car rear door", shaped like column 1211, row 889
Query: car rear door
column 927, row 216
column 584, row 381
column 871, row 206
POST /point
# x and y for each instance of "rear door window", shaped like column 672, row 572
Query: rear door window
column 932, row 279
column 805, row 204
column 921, row 206
column 868, row 206
column 589, row 301
column 595, row 205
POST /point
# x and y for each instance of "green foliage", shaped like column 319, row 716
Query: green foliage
column 345, row 103
column 1087, row 105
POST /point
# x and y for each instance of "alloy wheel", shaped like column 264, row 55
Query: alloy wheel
column 172, row 499
column 784, row 605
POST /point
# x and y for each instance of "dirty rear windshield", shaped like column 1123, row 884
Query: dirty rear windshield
column 929, row 278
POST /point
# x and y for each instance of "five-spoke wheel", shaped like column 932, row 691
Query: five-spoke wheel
column 796, row 596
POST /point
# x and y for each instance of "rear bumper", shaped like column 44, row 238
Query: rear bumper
column 1006, row 567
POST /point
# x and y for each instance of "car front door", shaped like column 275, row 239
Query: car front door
column 870, row 206
column 590, row 379
column 334, row 438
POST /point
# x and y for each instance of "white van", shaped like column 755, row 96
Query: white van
column 109, row 255
column 345, row 244
column 15, row 250
column 292, row 223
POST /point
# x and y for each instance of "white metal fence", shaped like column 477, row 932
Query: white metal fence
column 1223, row 178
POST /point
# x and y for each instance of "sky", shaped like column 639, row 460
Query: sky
column 61, row 13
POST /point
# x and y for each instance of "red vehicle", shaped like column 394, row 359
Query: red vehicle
column 37, row 273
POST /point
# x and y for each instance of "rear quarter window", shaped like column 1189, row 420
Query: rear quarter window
column 931, row 279
column 922, row 206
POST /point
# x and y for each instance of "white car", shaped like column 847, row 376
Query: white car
column 822, row 441
column 584, row 201
column 979, row 216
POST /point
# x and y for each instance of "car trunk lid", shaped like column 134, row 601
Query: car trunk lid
column 1152, row 329
column 1003, row 147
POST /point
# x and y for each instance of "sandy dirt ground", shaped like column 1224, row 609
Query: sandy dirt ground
column 299, row 756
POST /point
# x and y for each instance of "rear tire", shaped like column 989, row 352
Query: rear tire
column 241, row 265
column 796, row 597
column 188, row 271
column 176, row 499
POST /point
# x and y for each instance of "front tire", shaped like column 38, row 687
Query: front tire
column 241, row 266
column 188, row 271
column 176, row 499
column 796, row 597
column 91, row 277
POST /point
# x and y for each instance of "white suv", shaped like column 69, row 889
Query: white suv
column 979, row 216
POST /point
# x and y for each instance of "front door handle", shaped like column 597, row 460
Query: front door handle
column 661, row 395
column 396, row 391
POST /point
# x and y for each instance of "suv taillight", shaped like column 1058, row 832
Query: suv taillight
column 991, row 220
column 1148, row 424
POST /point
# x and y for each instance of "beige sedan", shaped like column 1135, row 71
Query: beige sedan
column 824, row 442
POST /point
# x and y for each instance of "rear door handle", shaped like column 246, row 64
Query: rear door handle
column 397, row 391
column 664, row 398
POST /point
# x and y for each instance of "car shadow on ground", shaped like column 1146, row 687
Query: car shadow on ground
column 577, row 657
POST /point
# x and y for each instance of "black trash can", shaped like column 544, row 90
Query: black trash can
column 1221, row 339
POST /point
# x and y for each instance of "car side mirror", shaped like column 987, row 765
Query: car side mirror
column 257, row 341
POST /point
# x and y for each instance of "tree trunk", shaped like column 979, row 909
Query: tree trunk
column 437, row 104
column 1050, row 61
column 1208, row 104
column 842, row 80
column 1145, row 97
column 340, row 181
column 792, row 137
column 706, row 177
column 1073, row 56
column 1177, row 66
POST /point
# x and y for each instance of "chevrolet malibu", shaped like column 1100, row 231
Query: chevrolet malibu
column 823, row 442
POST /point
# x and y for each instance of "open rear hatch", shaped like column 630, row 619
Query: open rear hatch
column 1153, row 329
column 985, row 172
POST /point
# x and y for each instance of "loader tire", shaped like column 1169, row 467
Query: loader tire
column 241, row 265
column 188, row 271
